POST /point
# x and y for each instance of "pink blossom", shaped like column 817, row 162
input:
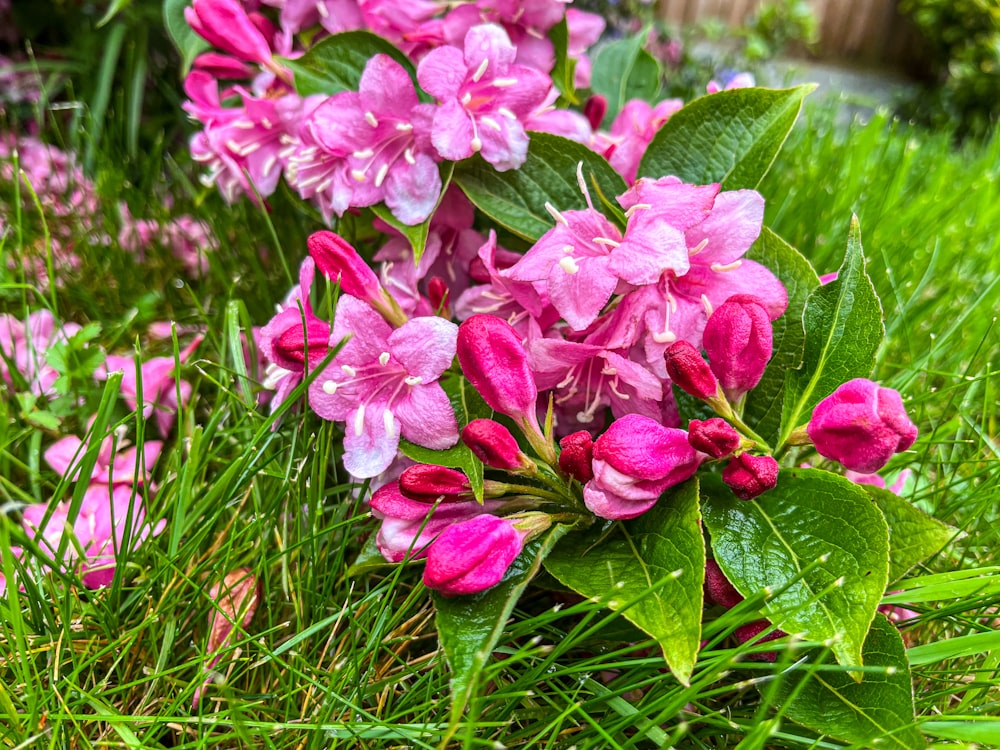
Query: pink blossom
column 749, row 476
column 24, row 344
column 738, row 340
column 226, row 25
column 631, row 133
column 116, row 465
column 714, row 437
column 473, row 555
column 383, row 384
column 634, row 462
column 493, row 444
column 485, row 97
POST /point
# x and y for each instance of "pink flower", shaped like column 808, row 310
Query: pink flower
column 226, row 25
column 689, row 371
column 24, row 344
column 577, row 455
column 383, row 384
column 124, row 466
column 338, row 261
column 634, row 462
column 632, row 131
column 714, row 437
column 861, row 425
column 473, row 555
column 484, row 95
column 738, row 340
column 493, row 444
column 749, row 476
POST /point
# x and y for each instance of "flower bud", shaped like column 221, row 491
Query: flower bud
column 472, row 556
column 427, row 483
column 749, row 476
column 577, row 455
column 718, row 589
column 226, row 25
column 493, row 359
column 337, row 260
column 861, row 425
column 290, row 346
column 493, row 444
column 594, row 110
column 222, row 66
column 738, row 340
column 690, row 372
column 750, row 631
column 439, row 296
column 715, row 437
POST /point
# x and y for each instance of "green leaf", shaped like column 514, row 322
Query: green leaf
column 878, row 709
column 731, row 137
column 469, row 627
column 457, row 457
column 623, row 70
column 762, row 409
column 844, row 329
column 982, row 730
column 956, row 584
column 564, row 71
column 817, row 541
column 368, row 559
column 417, row 234
column 516, row 198
column 913, row 535
column 336, row 63
column 188, row 43
column 955, row 648
column 651, row 569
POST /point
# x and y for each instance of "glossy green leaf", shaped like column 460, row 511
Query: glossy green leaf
column 877, row 709
column 469, row 627
column 844, row 329
column 762, row 410
column 623, row 70
column 564, row 70
column 731, row 137
column 651, row 569
column 188, row 43
column 516, row 198
column 336, row 63
column 913, row 535
column 817, row 541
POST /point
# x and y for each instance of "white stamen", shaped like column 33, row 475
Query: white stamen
column 358, row 174
column 364, row 154
column 476, row 143
column 637, row 207
column 502, row 83
column 707, row 304
column 609, row 371
column 404, row 127
column 583, row 185
column 698, row 248
column 330, row 387
column 266, row 123
column 491, row 123
column 359, row 420
column 388, row 420
column 481, row 70
column 269, row 164
column 322, row 9
column 370, row 119
column 723, row 267
column 466, row 98
column 408, row 155
column 380, row 177
column 348, row 370
column 664, row 337
column 568, row 264
column 383, row 359
column 555, row 214
column 507, row 113
column 568, row 249
column 413, row 380
column 605, row 241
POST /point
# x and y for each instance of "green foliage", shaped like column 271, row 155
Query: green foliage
column 624, row 70
column 336, row 63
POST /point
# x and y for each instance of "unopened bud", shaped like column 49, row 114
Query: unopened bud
column 718, row 589
column 690, row 372
column 594, row 110
column 338, row 260
column 440, row 297
column 226, row 25
column 427, row 482
column 493, row 359
column 472, row 556
column 738, row 340
column 493, row 444
column 577, row 456
column 291, row 347
column 751, row 631
column 749, row 476
column 715, row 437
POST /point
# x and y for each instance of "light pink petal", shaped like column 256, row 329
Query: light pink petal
column 506, row 148
column 731, row 228
column 442, row 72
column 411, row 191
column 425, row 346
column 580, row 296
column 650, row 248
column 386, row 87
column 369, row 451
column 489, row 42
column 452, row 131
column 427, row 417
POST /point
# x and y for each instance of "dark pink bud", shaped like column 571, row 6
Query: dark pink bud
column 714, row 436
column 226, row 25
column 750, row 632
column 337, row 260
column 440, row 296
column 427, row 483
column 577, row 456
column 264, row 26
column 718, row 589
column 290, row 347
column 594, row 110
column 472, row 556
column 689, row 371
column 749, row 476
column 738, row 340
column 493, row 444
column 222, row 66
column 861, row 425
column 826, row 278
column 493, row 359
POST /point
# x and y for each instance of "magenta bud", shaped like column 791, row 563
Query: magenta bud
column 718, row 589
column 222, row 66
column 440, row 296
column 577, row 456
column 689, row 371
column 715, row 437
column 750, row 631
column 749, row 476
column 290, row 347
column 472, row 556
column 738, row 340
column 226, row 25
column 338, row 260
column 861, row 425
column 493, row 359
column 427, row 482
column 493, row 444
column 594, row 110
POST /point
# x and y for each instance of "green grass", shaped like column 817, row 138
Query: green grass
column 351, row 660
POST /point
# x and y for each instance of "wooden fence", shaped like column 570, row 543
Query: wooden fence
column 864, row 30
